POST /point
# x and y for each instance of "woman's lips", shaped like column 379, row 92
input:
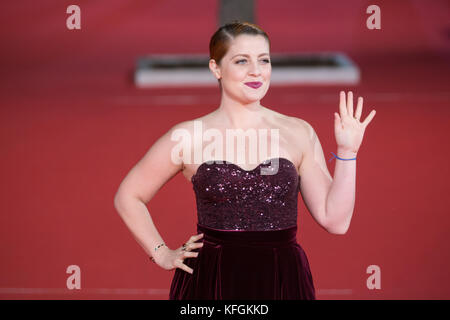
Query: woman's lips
column 254, row 85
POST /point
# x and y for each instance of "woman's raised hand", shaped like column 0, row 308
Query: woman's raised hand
column 348, row 129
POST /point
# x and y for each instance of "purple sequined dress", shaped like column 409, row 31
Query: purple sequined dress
column 250, row 250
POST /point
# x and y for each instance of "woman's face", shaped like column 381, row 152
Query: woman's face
column 247, row 60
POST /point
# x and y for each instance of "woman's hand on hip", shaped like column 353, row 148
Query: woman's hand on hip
column 170, row 259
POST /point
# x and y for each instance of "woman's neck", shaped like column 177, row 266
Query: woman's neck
column 235, row 115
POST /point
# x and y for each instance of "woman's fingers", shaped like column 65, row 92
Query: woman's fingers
column 359, row 108
column 196, row 237
column 346, row 107
column 192, row 244
column 196, row 245
column 182, row 266
column 342, row 105
column 189, row 245
column 189, row 254
column 350, row 103
column 369, row 118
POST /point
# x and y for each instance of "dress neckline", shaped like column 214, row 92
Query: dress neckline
column 240, row 168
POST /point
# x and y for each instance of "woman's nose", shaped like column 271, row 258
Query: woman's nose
column 254, row 68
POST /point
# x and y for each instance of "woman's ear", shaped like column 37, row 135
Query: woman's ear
column 215, row 69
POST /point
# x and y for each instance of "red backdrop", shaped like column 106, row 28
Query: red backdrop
column 73, row 125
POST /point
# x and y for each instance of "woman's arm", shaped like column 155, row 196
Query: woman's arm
column 349, row 132
column 315, row 179
column 154, row 170
column 341, row 196
column 329, row 200
column 138, row 220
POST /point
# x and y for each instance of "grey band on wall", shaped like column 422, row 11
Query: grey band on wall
column 242, row 10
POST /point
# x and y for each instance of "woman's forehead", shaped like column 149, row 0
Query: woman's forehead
column 249, row 45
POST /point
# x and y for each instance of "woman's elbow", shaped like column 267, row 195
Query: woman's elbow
column 120, row 201
column 338, row 230
column 117, row 203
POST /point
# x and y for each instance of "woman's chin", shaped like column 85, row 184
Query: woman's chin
column 251, row 100
column 255, row 97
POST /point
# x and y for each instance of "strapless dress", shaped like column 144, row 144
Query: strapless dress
column 250, row 248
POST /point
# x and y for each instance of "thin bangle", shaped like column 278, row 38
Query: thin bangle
column 156, row 248
column 159, row 246
column 335, row 156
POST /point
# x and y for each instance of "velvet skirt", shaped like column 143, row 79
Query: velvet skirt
column 263, row 265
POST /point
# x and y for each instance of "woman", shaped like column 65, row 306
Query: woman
column 245, row 246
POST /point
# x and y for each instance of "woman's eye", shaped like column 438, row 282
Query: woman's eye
column 243, row 60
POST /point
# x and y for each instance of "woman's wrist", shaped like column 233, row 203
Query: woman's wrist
column 157, row 251
column 346, row 154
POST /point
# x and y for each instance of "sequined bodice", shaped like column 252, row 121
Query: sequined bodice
column 231, row 198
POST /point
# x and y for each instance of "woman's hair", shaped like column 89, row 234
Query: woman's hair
column 221, row 39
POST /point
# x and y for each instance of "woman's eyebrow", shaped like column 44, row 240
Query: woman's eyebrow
column 246, row 55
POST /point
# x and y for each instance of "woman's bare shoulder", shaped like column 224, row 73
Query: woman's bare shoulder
column 303, row 125
column 303, row 129
column 292, row 123
column 189, row 124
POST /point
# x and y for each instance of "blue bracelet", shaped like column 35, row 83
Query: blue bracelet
column 335, row 156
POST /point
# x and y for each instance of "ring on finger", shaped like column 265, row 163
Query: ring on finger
column 184, row 247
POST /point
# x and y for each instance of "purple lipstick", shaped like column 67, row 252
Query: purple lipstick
column 254, row 85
